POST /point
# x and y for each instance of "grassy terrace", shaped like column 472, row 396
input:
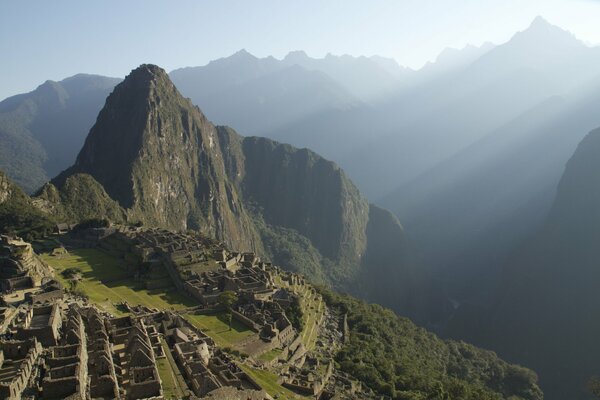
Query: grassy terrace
column 313, row 307
column 172, row 388
column 216, row 326
column 104, row 280
column 268, row 381
column 169, row 385
column 270, row 355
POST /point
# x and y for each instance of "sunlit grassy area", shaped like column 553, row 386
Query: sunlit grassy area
column 313, row 309
column 169, row 385
column 216, row 326
column 268, row 381
column 104, row 280
column 270, row 355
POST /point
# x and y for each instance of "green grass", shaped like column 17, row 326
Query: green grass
column 216, row 326
column 268, row 381
column 270, row 355
column 313, row 308
column 169, row 385
column 104, row 281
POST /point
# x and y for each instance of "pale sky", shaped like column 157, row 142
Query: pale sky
column 42, row 40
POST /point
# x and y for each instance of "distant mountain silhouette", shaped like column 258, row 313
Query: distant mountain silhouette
column 41, row 131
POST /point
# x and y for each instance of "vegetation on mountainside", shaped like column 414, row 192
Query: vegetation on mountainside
column 396, row 358
column 288, row 247
column 594, row 386
column 80, row 198
column 295, row 314
column 21, row 156
column 19, row 216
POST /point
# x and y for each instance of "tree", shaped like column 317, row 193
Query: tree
column 594, row 386
column 227, row 299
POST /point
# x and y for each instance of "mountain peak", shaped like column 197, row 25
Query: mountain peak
column 296, row 55
column 541, row 31
column 142, row 113
column 242, row 54
column 146, row 73
column 540, row 23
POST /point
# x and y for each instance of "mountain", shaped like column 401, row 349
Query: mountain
column 428, row 123
column 42, row 131
column 366, row 78
column 451, row 59
column 470, row 210
column 155, row 154
column 259, row 95
column 18, row 214
column 544, row 315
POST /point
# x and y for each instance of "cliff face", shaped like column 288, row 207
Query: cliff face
column 551, row 296
column 300, row 190
column 166, row 165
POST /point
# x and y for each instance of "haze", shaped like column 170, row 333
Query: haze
column 52, row 40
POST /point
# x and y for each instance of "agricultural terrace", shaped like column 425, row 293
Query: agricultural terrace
column 268, row 381
column 217, row 327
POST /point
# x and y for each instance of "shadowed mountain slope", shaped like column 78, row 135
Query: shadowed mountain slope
column 545, row 314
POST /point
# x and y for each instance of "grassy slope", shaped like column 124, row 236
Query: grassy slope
column 217, row 328
column 268, row 381
column 106, row 282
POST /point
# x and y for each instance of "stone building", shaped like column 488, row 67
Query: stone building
column 206, row 369
column 136, row 358
column 43, row 323
column 103, row 378
column 17, row 359
column 66, row 366
column 20, row 268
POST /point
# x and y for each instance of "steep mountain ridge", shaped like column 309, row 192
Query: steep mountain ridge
column 166, row 165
